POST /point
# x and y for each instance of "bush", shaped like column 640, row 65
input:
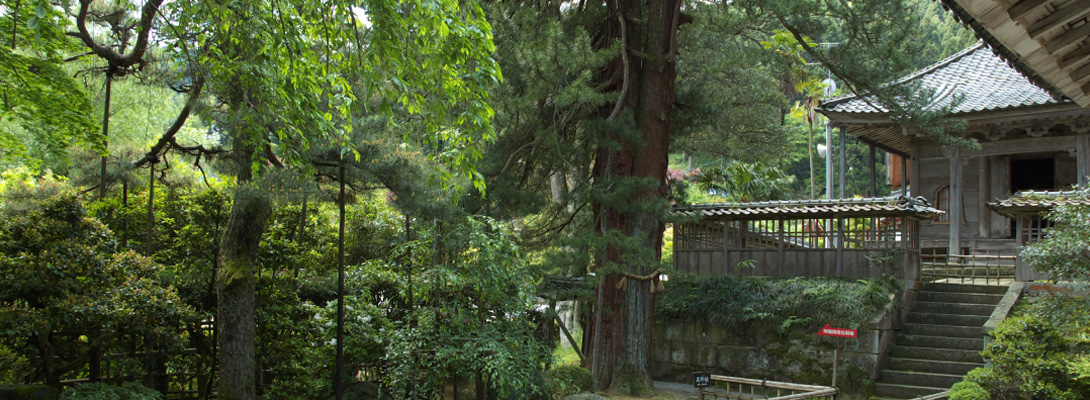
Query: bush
column 967, row 390
column 101, row 391
column 729, row 300
column 1036, row 353
column 568, row 379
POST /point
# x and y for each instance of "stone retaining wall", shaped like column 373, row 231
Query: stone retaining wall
column 761, row 351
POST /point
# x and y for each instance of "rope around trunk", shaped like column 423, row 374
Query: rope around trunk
column 656, row 286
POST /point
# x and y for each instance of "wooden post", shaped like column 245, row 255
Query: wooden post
column 1082, row 157
column 105, row 132
column 916, row 189
column 954, row 248
column 873, row 174
column 843, row 162
column 839, row 246
column 985, row 194
column 338, row 379
column 150, row 245
column 904, row 176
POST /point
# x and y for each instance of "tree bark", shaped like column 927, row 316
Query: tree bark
column 235, row 283
column 648, row 31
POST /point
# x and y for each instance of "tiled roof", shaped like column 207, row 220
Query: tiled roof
column 983, row 78
column 790, row 209
column 1034, row 201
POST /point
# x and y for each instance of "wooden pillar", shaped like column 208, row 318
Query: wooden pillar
column 917, row 180
column 1000, row 185
column 985, row 214
column 873, row 174
column 843, row 162
column 955, row 202
column 1082, row 157
column 904, row 176
column 839, row 246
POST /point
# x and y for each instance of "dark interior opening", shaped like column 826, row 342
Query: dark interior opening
column 1033, row 174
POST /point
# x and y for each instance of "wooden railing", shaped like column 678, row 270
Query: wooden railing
column 986, row 268
column 729, row 387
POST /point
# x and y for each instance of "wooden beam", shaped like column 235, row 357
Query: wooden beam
column 1020, row 9
column 1022, row 146
column 904, row 176
column 983, row 213
column 1075, row 57
column 1062, row 16
column 1071, row 37
column 1080, row 73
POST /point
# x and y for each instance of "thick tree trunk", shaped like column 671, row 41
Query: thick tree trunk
column 622, row 337
column 235, row 286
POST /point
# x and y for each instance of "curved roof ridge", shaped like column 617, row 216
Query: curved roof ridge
column 923, row 71
column 978, row 78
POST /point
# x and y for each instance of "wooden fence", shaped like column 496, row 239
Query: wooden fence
column 855, row 248
column 729, row 387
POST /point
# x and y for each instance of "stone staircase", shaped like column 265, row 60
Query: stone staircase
column 941, row 339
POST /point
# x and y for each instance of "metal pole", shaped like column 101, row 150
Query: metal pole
column 338, row 379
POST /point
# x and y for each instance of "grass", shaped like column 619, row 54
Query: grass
column 564, row 354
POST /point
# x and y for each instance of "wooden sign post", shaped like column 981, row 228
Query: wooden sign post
column 701, row 380
column 837, row 332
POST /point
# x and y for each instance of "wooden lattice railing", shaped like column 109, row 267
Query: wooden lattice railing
column 994, row 267
column 729, row 387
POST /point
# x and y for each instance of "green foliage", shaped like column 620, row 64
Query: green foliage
column 1064, row 254
column 13, row 366
column 102, row 391
column 70, row 285
column 1036, row 352
column 564, row 380
column 968, row 390
column 745, row 182
column 49, row 111
column 730, row 300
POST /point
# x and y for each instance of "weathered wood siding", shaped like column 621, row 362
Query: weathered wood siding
column 782, row 263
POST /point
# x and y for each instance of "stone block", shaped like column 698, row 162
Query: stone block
column 678, row 353
column 675, row 330
column 706, row 355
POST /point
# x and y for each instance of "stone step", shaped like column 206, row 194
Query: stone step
column 953, row 308
column 891, row 390
column 946, row 319
column 942, row 330
column 942, row 342
column 963, row 288
column 937, row 354
column 924, row 365
column 968, row 298
column 913, row 378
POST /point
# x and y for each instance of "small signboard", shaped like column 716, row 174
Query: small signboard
column 837, row 332
column 702, row 379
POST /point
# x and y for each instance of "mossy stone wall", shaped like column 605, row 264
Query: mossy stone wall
column 760, row 351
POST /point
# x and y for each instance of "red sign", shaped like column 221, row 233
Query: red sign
column 838, row 332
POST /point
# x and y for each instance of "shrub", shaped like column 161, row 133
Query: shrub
column 566, row 380
column 729, row 300
column 101, row 391
column 1035, row 354
column 967, row 390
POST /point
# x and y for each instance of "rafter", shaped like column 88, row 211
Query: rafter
column 1024, row 7
column 1073, row 36
column 1070, row 12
